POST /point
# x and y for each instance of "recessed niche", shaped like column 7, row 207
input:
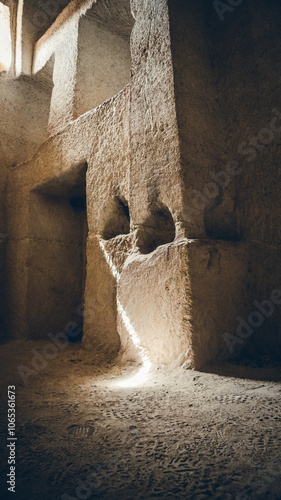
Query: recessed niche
column 57, row 260
column 220, row 221
column 104, row 57
column 158, row 229
column 116, row 219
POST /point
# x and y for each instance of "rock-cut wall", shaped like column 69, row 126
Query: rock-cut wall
column 137, row 221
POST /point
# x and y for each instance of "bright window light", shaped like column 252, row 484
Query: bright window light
column 19, row 38
column 5, row 39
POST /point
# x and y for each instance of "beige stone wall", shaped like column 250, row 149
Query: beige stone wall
column 25, row 104
column 35, row 17
column 226, row 80
column 167, row 274
column 198, row 114
column 46, row 237
column 90, row 44
column 103, row 64
column 175, row 297
column 155, row 152
column 251, row 91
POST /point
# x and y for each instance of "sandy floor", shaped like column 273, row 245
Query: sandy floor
column 181, row 434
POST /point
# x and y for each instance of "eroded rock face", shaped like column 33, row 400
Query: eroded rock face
column 132, row 221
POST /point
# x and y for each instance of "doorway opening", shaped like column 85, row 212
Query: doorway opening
column 57, row 257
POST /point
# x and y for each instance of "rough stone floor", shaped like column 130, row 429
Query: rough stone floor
column 182, row 434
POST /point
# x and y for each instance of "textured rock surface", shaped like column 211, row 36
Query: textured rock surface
column 107, row 54
column 42, row 220
column 181, row 434
column 22, row 128
column 137, row 207
column 174, row 298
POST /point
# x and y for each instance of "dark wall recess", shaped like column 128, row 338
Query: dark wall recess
column 158, row 229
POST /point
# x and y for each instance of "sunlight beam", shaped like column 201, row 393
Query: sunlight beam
column 5, row 39
column 141, row 376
